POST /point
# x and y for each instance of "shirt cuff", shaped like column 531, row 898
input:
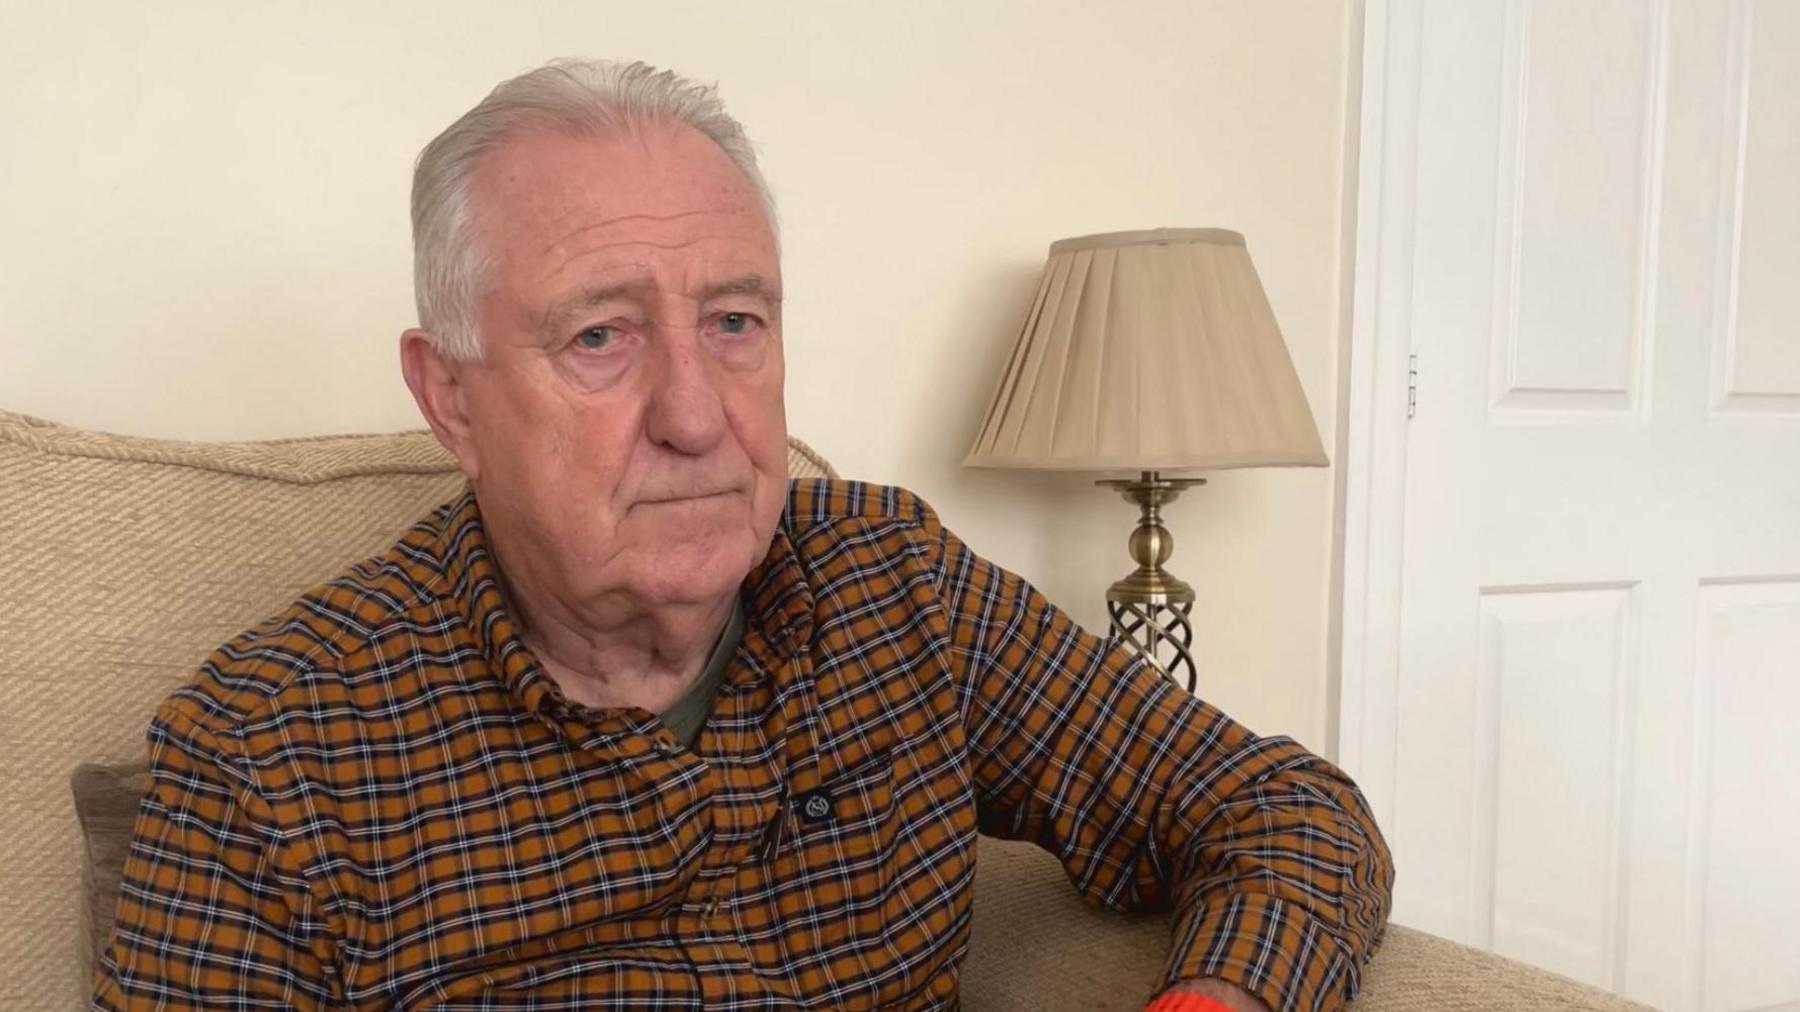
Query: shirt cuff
column 1274, row 949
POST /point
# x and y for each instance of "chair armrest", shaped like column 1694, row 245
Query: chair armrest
column 1037, row 948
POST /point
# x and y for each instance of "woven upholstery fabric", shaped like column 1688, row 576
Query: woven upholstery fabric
column 125, row 561
column 1037, row 948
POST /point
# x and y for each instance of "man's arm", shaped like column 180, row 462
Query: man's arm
column 1269, row 856
column 207, row 912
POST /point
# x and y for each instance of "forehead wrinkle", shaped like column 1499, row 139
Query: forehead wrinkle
column 644, row 268
column 570, row 236
column 683, row 244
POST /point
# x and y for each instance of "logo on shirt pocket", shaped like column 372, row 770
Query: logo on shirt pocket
column 846, row 815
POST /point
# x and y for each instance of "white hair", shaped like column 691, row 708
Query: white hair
column 593, row 97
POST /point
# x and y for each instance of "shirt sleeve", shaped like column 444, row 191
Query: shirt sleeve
column 209, row 913
column 1268, row 855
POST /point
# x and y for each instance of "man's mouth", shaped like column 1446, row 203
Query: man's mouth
column 692, row 497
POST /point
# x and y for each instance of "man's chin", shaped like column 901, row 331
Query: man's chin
column 697, row 572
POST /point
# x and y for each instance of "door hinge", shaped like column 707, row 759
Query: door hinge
column 1412, row 385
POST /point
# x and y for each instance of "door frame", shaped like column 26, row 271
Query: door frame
column 1379, row 170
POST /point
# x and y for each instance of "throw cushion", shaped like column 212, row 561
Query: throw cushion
column 106, row 804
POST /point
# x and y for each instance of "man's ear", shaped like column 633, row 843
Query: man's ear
column 437, row 387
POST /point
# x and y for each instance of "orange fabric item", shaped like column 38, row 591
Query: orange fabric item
column 1186, row 1001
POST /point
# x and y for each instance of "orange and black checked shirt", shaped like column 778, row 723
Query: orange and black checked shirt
column 378, row 799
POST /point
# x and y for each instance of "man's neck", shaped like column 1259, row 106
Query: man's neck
column 627, row 657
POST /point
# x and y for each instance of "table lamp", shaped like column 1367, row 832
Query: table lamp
column 1150, row 352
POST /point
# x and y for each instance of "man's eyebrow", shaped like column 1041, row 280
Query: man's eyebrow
column 744, row 284
column 639, row 288
column 588, row 298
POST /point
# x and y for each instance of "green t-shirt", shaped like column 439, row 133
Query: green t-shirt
column 687, row 715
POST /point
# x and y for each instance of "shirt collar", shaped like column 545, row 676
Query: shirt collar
column 778, row 604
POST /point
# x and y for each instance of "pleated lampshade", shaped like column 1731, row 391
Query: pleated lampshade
column 1149, row 351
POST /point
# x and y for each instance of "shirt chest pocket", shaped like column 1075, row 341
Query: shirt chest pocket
column 842, row 828
column 830, row 864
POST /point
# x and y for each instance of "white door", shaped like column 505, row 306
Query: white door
column 1572, row 636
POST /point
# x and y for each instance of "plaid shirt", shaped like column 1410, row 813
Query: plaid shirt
column 378, row 799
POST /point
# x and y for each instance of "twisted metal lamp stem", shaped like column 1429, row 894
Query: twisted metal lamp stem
column 1150, row 607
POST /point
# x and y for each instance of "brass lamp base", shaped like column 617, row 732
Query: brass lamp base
column 1150, row 608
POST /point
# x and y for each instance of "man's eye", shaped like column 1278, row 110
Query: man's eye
column 736, row 323
column 596, row 338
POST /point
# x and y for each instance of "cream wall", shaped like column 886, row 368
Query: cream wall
column 203, row 234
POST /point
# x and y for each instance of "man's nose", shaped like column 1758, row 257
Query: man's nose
column 686, row 412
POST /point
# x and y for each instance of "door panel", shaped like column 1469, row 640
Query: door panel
column 1576, row 195
column 1748, row 864
column 1556, row 672
column 1759, row 364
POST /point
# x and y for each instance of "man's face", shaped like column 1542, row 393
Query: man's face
column 626, row 433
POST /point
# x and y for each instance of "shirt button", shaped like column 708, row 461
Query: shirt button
column 710, row 907
column 668, row 748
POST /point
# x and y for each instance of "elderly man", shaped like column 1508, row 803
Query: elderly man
column 635, row 723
